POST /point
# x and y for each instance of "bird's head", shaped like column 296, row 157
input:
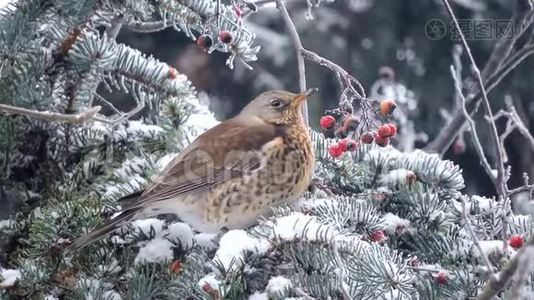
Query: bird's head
column 277, row 107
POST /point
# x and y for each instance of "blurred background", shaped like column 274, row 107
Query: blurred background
column 375, row 41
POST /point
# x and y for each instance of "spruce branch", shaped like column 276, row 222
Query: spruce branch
column 79, row 118
column 469, row 228
column 500, row 181
column 148, row 27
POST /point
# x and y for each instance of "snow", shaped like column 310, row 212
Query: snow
column 299, row 225
column 50, row 297
column 395, row 224
column 483, row 203
column 278, row 285
column 258, row 296
column 206, row 240
column 182, row 233
column 200, row 120
column 145, row 226
column 134, row 130
column 155, row 250
column 9, row 277
column 165, row 160
column 398, row 176
column 210, row 280
column 233, row 246
column 5, row 223
column 489, row 247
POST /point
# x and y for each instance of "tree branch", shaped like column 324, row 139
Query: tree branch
column 499, row 66
column 148, row 27
column 498, row 283
column 297, row 44
column 500, row 181
column 52, row 116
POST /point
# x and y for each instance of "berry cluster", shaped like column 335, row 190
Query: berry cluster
column 349, row 123
column 205, row 41
column 344, row 145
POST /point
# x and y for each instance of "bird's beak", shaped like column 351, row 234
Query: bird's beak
column 303, row 96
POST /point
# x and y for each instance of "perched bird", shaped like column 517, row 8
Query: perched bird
column 232, row 173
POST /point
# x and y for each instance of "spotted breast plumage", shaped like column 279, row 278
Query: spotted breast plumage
column 231, row 174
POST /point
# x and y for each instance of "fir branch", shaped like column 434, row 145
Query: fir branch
column 79, row 118
column 147, row 27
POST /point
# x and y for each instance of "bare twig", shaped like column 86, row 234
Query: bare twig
column 499, row 66
column 498, row 283
column 148, row 27
column 500, row 180
column 472, row 126
column 297, row 44
column 469, row 229
column 52, row 116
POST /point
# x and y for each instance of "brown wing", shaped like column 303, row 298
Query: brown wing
column 226, row 151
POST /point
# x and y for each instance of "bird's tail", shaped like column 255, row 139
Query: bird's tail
column 111, row 225
column 103, row 230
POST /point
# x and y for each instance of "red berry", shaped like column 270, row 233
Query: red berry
column 378, row 236
column 384, row 131
column 352, row 145
column 367, row 137
column 516, row 241
column 392, row 128
column 173, row 73
column 204, row 41
column 350, row 123
column 226, row 36
column 327, row 122
column 343, row 144
column 387, row 107
column 441, row 278
column 335, row 150
column 238, row 11
column 381, row 141
column 176, row 266
column 411, row 177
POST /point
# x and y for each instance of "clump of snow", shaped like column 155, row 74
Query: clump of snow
column 5, row 223
column 180, row 232
column 484, row 204
column 395, row 224
column 155, row 250
column 209, row 281
column 398, row 176
column 134, row 130
column 147, row 226
column 165, row 160
column 50, row 297
column 278, row 285
column 112, row 267
column 258, row 296
column 233, row 246
column 299, row 225
column 206, row 240
column 8, row 277
column 94, row 287
column 200, row 120
column 490, row 247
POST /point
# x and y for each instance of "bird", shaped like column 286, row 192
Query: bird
column 231, row 174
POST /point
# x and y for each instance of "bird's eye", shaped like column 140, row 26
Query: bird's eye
column 276, row 103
